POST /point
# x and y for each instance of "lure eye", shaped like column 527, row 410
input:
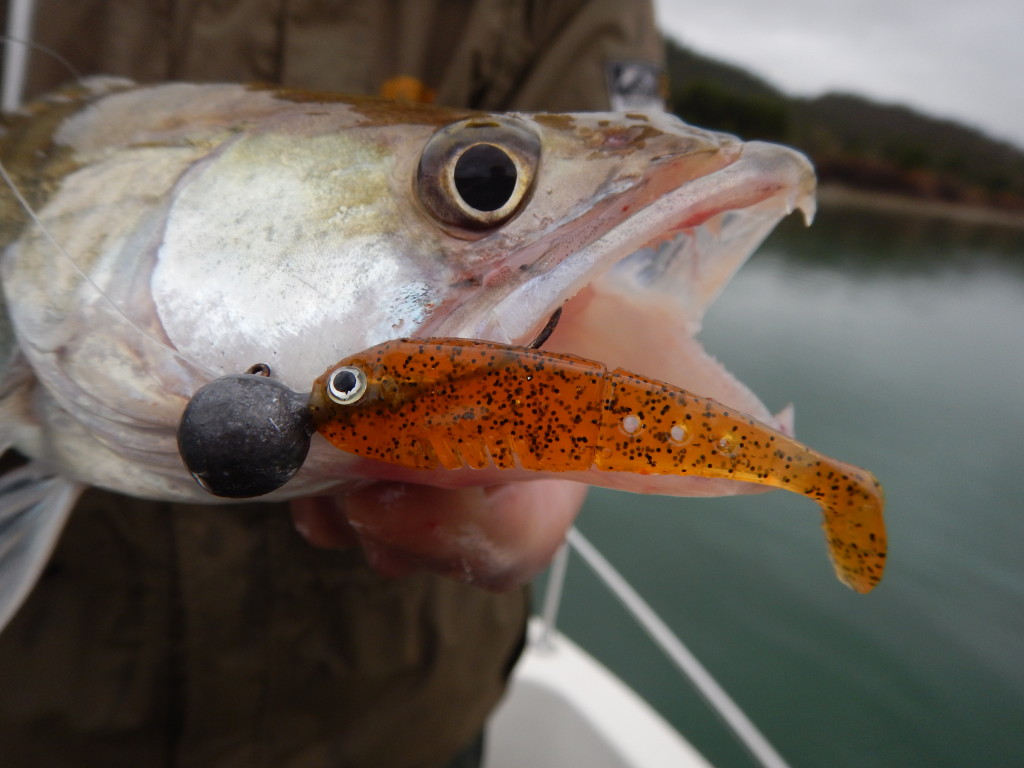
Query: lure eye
column 346, row 385
column 476, row 174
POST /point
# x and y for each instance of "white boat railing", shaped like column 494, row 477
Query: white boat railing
column 746, row 732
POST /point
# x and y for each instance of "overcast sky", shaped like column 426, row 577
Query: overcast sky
column 962, row 59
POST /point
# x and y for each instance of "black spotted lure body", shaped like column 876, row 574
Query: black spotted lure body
column 452, row 403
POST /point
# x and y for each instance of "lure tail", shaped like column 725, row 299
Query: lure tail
column 33, row 509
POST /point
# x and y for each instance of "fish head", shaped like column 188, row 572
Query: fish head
column 340, row 227
column 225, row 226
column 630, row 225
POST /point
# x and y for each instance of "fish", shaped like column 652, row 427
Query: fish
column 451, row 403
column 157, row 238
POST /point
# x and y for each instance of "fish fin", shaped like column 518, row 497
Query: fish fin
column 785, row 420
column 34, row 506
column 16, row 384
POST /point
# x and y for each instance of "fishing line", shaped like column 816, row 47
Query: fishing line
column 110, row 302
column 12, row 90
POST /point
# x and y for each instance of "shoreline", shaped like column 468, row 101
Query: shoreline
column 838, row 196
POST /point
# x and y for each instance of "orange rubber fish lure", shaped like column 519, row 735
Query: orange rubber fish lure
column 450, row 403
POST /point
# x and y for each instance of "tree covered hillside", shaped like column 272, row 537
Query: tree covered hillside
column 851, row 139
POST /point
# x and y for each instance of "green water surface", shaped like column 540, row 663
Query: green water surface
column 901, row 342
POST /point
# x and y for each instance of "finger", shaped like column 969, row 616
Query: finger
column 322, row 522
column 497, row 537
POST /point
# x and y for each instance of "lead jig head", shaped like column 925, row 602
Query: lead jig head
column 244, row 435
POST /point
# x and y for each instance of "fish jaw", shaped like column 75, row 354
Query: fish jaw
column 680, row 248
column 635, row 297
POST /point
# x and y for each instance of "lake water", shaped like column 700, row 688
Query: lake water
column 901, row 342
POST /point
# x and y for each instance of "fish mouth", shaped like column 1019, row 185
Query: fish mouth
column 635, row 295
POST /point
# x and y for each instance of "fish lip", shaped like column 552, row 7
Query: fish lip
column 765, row 183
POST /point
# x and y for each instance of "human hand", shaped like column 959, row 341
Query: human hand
column 496, row 537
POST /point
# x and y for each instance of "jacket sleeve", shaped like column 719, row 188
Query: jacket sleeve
column 573, row 55
column 555, row 55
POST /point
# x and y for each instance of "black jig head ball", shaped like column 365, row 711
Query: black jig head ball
column 244, row 435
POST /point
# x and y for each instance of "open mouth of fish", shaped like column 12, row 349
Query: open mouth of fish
column 633, row 275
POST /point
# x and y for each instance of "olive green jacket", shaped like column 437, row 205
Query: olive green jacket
column 167, row 635
column 554, row 55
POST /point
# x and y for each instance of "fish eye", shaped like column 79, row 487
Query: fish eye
column 476, row 174
column 346, row 385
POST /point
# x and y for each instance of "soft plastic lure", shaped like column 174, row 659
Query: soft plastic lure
column 449, row 403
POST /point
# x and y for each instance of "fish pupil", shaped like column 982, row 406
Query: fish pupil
column 485, row 177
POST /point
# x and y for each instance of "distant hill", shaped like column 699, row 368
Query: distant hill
column 851, row 139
